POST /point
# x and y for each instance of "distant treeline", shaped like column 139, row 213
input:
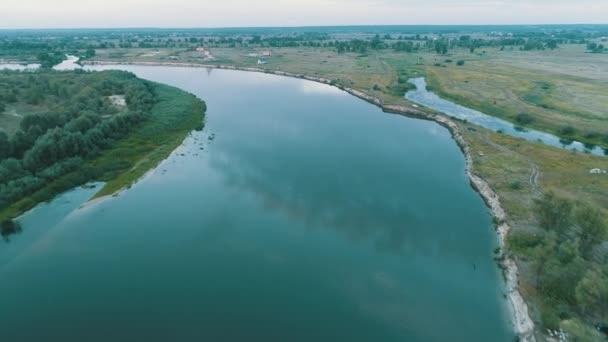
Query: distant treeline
column 369, row 29
column 49, row 45
column 79, row 122
column 47, row 52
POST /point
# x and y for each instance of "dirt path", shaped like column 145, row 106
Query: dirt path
column 534, row 168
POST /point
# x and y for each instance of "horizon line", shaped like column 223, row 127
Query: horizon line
column 286, row 27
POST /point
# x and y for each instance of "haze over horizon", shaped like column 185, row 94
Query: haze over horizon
column 269, row 13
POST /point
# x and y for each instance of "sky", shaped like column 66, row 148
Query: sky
column 247, row 13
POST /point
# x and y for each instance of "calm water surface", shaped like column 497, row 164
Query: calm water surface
column 431, row 100
column 311, row 216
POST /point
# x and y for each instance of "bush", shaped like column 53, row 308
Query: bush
column 515, row 185
column 521, row 241
column 567, row 130
column 460, row 62
column 524, row 118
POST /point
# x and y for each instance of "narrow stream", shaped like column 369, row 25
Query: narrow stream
column 431, row 100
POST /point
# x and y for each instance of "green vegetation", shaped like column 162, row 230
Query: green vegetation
column 9, row 227
column 566, row 90
column 596, row 48
column 570, row 279
column 82, row 135
column 551, row 78
column 572, row 194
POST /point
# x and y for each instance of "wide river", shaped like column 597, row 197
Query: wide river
column 300, row 213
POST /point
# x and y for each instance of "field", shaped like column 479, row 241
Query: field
column 557, row 89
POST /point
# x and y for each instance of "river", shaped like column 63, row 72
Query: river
column 300, row 213
column 431, row 100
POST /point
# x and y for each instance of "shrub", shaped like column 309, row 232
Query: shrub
column 521, row 241
column 524, row 118
column 515, row 185
column 460, row 62
column 567, row 130
column 578, row 331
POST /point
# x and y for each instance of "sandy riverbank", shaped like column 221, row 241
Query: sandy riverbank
column 523, row 325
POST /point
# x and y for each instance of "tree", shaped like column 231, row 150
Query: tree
column 376, row 43
column 543, row 253
column 441, row 46
column 592, row 291
column 554, row 213
column 524, row 118
column 592, row 225
column 562, row 272
column 5, row 146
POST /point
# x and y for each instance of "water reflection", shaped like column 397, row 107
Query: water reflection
column 320, row 88
column 429, row 99
column 8, row 228
column 309, row 217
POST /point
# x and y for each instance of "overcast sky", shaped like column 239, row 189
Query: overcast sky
column 235, row 13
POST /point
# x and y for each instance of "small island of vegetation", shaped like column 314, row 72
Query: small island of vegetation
column 65, row 129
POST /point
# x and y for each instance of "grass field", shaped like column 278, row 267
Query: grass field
column 557, row 89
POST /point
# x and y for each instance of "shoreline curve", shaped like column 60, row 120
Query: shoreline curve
column 522, row 323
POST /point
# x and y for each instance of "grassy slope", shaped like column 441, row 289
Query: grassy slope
column 172, row 118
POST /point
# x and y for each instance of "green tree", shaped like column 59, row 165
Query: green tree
column 560, row 275
column 543, row 253
column 554, row 213
column 5, row 147
column 592, row 225
column 592, row 291
column 552, row 44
